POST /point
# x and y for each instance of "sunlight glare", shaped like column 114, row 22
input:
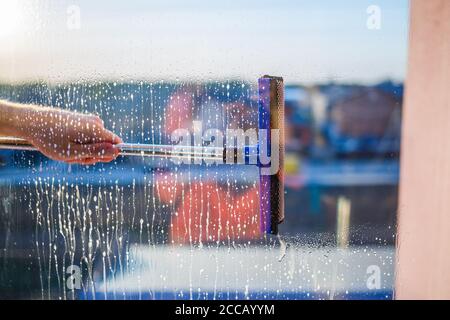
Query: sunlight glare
column 9, row 17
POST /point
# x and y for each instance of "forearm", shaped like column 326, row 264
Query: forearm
column 8, row 114
column 19, row 120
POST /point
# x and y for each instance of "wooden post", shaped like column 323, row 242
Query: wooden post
column 423, row 246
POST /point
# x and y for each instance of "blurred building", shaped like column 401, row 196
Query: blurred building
column 366, row 121
column 299, row 126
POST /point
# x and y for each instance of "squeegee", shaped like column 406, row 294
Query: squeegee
column 271, row 184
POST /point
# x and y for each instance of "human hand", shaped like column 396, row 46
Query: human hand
column 68, row 136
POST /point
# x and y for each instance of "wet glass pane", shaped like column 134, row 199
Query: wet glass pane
column 151, row 227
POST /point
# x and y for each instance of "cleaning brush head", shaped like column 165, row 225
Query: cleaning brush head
column 271, row 119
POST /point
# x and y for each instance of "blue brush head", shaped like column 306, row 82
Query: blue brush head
column 271, row 120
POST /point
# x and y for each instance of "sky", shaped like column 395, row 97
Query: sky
column 197, row 40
